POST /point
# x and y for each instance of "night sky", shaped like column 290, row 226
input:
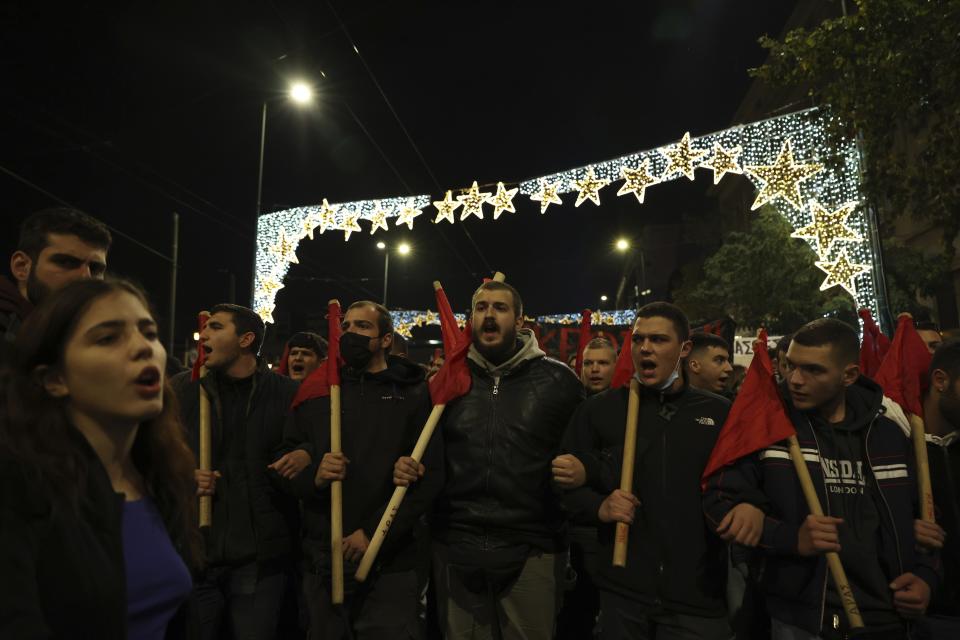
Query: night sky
column 135, row 112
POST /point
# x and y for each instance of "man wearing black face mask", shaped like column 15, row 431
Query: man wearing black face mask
column 499, row 546
column 384, row 404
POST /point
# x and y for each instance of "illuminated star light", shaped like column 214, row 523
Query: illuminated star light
column 473, row 201
column 270, row 287
column 828, row 226
column 350, row 224
column 309, row 223
column 379, row 219
column 589, row 187
column 547, row 195
column 681, row 157
column 782, row 178
column 266, row 314
column 637, row 180
column 503, row 200
column 328, row 216
column 406, row 215
column 842, row 272
column 445, row 208
column 723, row 161
column 284, row 248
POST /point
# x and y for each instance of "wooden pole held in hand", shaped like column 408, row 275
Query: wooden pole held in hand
column 626, row 473
column 336, row 503
column 833, row 558
column 370, row 555
column 918, row 434
column 206, row 452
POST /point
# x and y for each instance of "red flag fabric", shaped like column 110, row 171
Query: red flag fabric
column 757, row 418
column 318, row 383
column 283, row 367
column 584, row 338
column 453, row 380
column 904, row 372
column 201, row 354
column 874, row 346
column 448, row 323
column 623, row 370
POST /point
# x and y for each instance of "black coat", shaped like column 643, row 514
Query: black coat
column 500, row 439
column 274, row 514
column 673, row 560
column 944, row 456
column 62, row 573
column 382, row 415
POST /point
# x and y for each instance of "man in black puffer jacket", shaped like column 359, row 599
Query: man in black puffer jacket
column 251, row 543
column 861, row 467
column 384, row 405
column 498, row 529
column 673, row 583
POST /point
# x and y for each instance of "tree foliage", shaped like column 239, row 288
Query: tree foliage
column 762, row 276
column 891, row 72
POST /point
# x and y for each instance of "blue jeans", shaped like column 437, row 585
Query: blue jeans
column 252, row 603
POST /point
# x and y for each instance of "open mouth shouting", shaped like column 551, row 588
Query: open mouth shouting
column 648, row 368
column 489, row 329
column 148, row 382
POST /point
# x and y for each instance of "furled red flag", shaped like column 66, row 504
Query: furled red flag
column 874, row 346
column 584, row 338
column 903, row 373
column 448, row 322
column 318, row 383
column 453, row 379
column 757, row 418
column 201, row 354
column 623, row 370
column 282, row 368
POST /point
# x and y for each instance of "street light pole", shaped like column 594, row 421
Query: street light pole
column 386, row 273
column 256, row 219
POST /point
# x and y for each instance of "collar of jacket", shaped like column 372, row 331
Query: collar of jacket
column 529, row 350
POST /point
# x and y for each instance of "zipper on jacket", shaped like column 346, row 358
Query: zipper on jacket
column 826, row 573
column 893, row 523
column 493, row 424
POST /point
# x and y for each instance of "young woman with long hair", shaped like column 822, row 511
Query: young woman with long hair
column 97, row 493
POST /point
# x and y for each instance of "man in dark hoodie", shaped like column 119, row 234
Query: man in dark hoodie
column 384, row 405
column 860, row 463
column 673, row 584
column 250, row 545
column 498, row 526
column 55, row 247
column 941, row 414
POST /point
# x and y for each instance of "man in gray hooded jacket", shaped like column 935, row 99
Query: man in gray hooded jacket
column 498, row 529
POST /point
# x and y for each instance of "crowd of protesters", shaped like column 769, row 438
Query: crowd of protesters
column 510, row 519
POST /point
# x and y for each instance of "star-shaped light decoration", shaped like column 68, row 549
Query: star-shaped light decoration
column 445, row 208
column 547, row 195
column 842, row 272
column 406, row 215
column 782, row 178
column 828, row 226
column 270, row 287
column 429, row 318
column 682, row 157
column 637, row 180
column 350, row 224
column 503, row 200
column 589, row 187
column 473, row 201
column 328, row 216
column 311, row 220
column 403, row 328
column 379, row 218
column 285, row 248
column 266, row 314
column 723, row 161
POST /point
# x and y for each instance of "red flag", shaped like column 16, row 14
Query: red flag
column 448, row 322
column 283, row 366
column 623, row 370
column 757, row 418
column 904, row 372
column 874, row 346
column 584, row 338
column 318, row 383
column 453, row 379
column 201, row 354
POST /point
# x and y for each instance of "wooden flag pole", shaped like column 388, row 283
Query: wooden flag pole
column 918, row 434
column 833, row 558
column 206, row 451
column 336, row 498
column 626, row 473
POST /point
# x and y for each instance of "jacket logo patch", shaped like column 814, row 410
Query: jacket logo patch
column 707, row 422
